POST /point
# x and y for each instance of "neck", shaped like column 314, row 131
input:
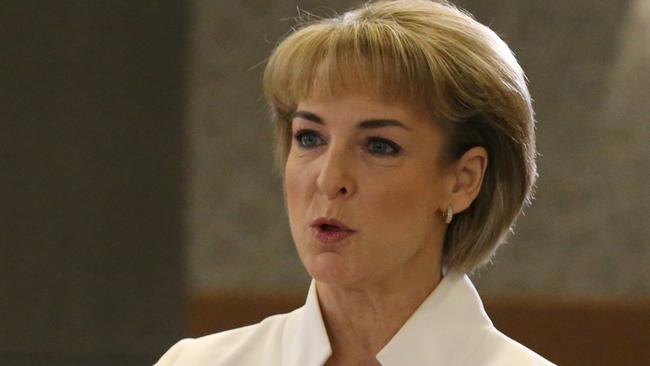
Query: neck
column 362, row 319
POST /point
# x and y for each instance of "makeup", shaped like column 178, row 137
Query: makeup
column 330, row 230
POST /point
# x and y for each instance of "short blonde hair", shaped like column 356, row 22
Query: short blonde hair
column 436, row 57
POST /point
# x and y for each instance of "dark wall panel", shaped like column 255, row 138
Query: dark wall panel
column 91, row 187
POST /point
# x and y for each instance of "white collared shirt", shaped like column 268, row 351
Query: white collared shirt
column 450, row 328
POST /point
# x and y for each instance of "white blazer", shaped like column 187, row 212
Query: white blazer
column 450, row 328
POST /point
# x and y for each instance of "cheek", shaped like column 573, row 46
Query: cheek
column 295, row 189
column 402, row 201
column 291, row 187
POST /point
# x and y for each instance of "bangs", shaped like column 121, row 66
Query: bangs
column 332, row 57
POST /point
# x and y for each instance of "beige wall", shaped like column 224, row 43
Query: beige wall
column 589, row 72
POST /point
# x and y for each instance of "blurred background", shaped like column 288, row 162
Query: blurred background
column 139, row 205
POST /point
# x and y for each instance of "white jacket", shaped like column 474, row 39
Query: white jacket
column 450, row 328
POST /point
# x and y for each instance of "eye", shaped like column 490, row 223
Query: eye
column 308, row 139
column 382, row 147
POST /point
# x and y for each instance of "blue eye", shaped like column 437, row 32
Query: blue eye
column 379, row 146
column 308, row 139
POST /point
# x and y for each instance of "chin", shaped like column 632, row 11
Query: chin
column 330, row 268
column 333, row 270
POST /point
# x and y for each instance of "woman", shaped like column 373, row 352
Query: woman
column 406, row 139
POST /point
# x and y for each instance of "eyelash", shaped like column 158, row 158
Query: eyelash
column 396, row 149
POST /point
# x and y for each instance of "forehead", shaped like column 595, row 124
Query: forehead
column 354, row 106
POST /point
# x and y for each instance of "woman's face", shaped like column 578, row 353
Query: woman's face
column 373, row 167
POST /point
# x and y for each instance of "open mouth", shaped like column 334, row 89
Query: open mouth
column 329, row 228
column 330, row 231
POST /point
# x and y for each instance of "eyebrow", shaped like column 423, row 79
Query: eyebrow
column 365, row 124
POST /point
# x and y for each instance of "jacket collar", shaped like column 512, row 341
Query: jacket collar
column 305, row 340
column 443, row 330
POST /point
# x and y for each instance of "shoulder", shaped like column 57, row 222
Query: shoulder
column 497, row 349
column 251, row 345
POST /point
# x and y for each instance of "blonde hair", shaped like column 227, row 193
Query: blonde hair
column 436, row 57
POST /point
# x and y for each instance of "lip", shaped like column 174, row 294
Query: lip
column 330, row 236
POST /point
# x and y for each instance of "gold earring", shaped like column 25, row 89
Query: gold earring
column 449, row 215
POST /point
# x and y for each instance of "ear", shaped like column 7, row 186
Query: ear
column 467, row 176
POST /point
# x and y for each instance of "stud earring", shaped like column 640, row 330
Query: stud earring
column 449, row 215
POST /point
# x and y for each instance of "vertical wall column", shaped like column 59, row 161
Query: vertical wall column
column 91, row 187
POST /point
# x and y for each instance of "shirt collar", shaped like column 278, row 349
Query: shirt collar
column 443, row 330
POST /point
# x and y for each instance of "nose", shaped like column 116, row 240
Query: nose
column 336, row 176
